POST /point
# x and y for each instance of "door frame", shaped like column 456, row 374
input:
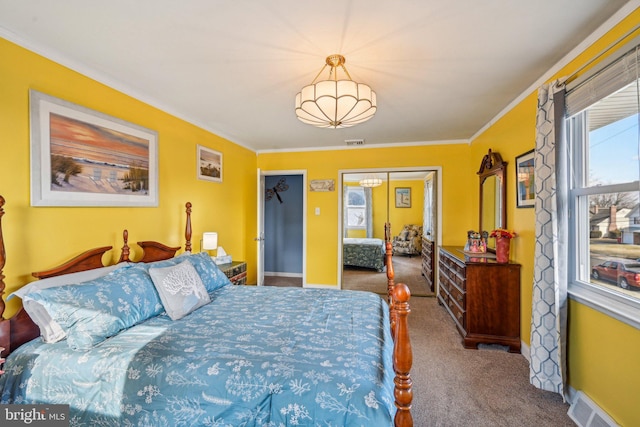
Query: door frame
column 342, row 172
column 260, row 229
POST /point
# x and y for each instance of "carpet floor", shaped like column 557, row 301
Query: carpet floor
column 406, row 270
column 454, row 386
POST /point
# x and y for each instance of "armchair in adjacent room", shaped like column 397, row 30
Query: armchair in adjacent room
column 409, row 241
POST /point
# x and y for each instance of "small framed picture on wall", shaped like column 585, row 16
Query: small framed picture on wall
column 403, row 197
column 209, row 164
column 525, row 188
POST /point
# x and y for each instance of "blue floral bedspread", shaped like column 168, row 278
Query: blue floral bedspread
column 254, row 356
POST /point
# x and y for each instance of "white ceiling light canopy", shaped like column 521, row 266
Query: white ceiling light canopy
column 335, row 103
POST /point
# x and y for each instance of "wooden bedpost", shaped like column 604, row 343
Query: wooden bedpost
column 3, row 258
column 390, row 273
column 402, row 357
column 124, row 254
column 387, row 261
column 187, row 230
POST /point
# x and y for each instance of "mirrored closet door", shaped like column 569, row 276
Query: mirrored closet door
column 406, row 199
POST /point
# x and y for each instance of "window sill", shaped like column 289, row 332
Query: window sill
column 618, row 306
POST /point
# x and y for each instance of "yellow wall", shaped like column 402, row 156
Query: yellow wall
column 322, row 239
column 601, row 350
column 42, row 237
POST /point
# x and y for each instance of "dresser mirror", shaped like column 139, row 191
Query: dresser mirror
column 493, row 193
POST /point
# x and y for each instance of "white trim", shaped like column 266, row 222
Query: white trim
column 366, row 147
column 318, row 286
column 525, row 351
column 280, row 274
column 390, row 169
column 618, row 306
column 302, row 172
column 607, row 26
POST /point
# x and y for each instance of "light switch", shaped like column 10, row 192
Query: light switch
column 317, row 211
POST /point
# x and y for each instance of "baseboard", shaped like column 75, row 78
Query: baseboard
column 281, row 274
column 525, row 350
column 312, row 285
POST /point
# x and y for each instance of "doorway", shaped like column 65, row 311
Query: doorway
column 403, row 197
column 281, row 228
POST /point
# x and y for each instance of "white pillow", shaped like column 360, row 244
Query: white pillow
column 65, row 279
column 50, row 330
column 180, row 288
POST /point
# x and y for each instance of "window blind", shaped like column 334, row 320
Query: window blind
column 605, row 82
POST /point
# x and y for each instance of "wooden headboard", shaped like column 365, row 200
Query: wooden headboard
column 19, row 328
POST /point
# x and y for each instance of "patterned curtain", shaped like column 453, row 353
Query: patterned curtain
column 549, row 308
column 368, row 210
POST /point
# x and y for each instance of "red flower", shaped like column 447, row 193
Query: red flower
column 503, row 233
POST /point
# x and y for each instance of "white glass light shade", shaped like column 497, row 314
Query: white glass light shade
column 335, row 104
column 370, row 182
column 209, row 241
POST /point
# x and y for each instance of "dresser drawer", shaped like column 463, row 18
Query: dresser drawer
column 454, row 271
column 458, row 296
column 459, row 315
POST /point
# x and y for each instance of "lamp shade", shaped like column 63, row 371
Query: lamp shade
column 209, row 241
column 370, row 181
column 335, row 103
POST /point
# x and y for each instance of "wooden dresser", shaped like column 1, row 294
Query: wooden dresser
column 428, row 262
column 482, row 296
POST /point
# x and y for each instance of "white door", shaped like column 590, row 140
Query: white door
column 260, row 238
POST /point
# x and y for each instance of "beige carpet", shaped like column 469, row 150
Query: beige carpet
column 407, row 270
column 454, row 386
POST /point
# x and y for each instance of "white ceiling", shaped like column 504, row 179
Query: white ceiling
column 442, row 70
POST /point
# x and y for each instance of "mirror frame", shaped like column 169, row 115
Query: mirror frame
column 493, row 165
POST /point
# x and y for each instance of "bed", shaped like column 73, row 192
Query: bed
column 363, row 252
column 263, row 356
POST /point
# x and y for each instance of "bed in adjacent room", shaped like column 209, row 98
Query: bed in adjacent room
column 363, row 252
column 171, row 342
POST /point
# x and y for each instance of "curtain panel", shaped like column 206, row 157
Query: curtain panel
column 550, row 282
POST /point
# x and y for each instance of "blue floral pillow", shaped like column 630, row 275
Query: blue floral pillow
column 93, row 311
column 212, row 277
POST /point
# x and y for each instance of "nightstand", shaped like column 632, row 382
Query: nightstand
column 236, row 271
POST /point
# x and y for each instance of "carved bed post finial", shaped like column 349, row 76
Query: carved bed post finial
column 402, row 357
column 187, row 230
column 390, row 274
column 124, row 254
column 3, row 258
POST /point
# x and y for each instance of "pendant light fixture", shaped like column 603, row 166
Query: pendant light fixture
column 335, row 103
column 370, row 181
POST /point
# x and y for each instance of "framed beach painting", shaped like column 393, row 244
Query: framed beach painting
column 209, row 164
column 81, row 157
column 525, row 180
column 403, row 197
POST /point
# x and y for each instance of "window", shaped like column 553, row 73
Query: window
column 603, row 147
column 356, row 208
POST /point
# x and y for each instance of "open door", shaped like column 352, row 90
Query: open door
column 260, row 238
column 281, row 236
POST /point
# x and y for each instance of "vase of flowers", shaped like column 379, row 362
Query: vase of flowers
column 503, row 242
